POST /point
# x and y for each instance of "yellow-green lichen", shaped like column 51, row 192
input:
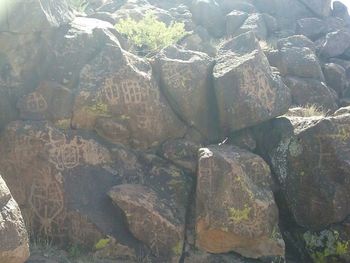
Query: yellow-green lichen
column 295, row 148
column 177, row 249
column 63, row 124
column 325, row 246
column 239, row 215
column 102, row 243
column 99, row 108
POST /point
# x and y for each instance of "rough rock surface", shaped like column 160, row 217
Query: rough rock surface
column 185, row 77
column 247, row 90
column 235, row 207
column 312, row 166
column 14, row 244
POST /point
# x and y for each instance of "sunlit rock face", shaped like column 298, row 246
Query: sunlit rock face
column 155, row 155
column 235, row 207
column 247, row 90
column 311, row 164
column 14, row 244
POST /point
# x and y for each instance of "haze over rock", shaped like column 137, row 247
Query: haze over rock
column 175, row 131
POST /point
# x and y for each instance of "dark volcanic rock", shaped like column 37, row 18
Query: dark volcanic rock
column 14, row 243
column 311, row 163
column 247, row 90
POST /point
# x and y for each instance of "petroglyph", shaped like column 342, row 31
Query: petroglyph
column 46, row 200
column 255, row 84
column 35, row 102
column 178, row 77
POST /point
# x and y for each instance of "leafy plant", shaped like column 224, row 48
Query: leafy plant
column 78, row 5
column 150, row 34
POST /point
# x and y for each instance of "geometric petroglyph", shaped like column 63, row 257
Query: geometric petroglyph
column 178, row 77
column 66, row 154
column 35, row 102
column 255, row 84
column 46, row 200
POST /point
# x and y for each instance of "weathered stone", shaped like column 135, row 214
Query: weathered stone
column 335, row 76
column 203, row 257
column 311, row 27
column 14, row 244
column 246, row 89
column 25, row 17
column 244, row 6
column 310, row 91
column 235, row 207
column 334, row 44
column 271, row 23
column 155, row 206
column 50, row 101
column 120, row 85
column 182, row 153
column 185, row 78
column 310, row 158
column 45, row 167
column 150, row 219
column 208, row 14
column 71, row 50
column 234, row 21
column 297, row 58
column 340, row 10
column 318, row 7
column 255, row 23
column 277, row 8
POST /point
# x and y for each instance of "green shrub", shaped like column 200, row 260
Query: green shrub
column 78, row 5
column 150, row 34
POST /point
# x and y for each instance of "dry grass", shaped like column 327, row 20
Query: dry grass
column 311, row 110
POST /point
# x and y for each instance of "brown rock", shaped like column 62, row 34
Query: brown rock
column 310, row 91
column 235, row 207
column 247, row 90
column 120, row 85
column 311, row 163
column 185, row 78
column 14, row 244
column 150, row 219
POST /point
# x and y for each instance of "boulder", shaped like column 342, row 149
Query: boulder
column 150, row 219
column 208, row 14
column 234, row 21
column 297, row 58
column 310, row 156
column 52, row 174
column 14, row 243
column 244, row 6
column 120, row 85
column 255, row 23
column 335, row 76
column 334, row 44
column 310, row 91
column 26, row 17
column 318, row 7
column 340, row 10
column 155, row 206
column 311, row 27
column 247, row 90
column 185, row 78
column 235, row 207
column 181, row 152
column 71, row 49
column 50, row 101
